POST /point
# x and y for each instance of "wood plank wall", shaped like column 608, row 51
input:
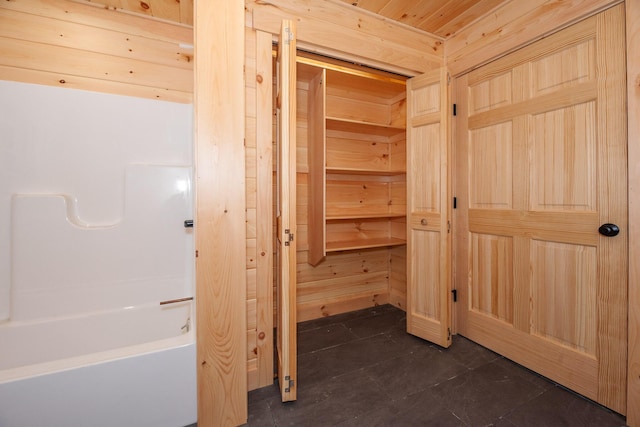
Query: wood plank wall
column 171, row 10
column 77, row 45
column 336, row 29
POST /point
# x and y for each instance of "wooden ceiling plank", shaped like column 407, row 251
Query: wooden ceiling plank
column 468, row 16
column 407, row 14
column 374, row 6
column 445, row 14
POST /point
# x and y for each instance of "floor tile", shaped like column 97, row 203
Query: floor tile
column 324, row 337
column 412, row 373
column 482, row 395
column 559, row 407
column 357, row 354
column 363, row 369
column 346, row 397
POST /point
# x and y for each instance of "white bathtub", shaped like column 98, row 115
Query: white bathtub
column 129, row 367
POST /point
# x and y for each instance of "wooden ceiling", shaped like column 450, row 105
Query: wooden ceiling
column 440, row 17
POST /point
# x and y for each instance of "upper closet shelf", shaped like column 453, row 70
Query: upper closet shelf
column 355, row 126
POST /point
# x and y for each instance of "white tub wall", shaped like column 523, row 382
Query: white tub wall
column 154, row 390
column 77, row 142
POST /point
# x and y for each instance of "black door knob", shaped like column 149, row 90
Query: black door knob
column 609, row 230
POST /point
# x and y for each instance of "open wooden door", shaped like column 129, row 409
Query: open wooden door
column 540, row 168
column 286, row 212
column 428, row 207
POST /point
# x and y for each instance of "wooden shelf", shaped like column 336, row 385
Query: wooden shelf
column 364, row 216
column 359, row 171
column 349, row 245
column 356, row 126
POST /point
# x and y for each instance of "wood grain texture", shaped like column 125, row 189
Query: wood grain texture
column 428, row 192
column 613, row 207
column 333, row 29
column 264, row 208
column 633, row 112
column 512, row 25
column 440, row 17
column 287, row 231
column 221, row 294
column 170, row 10
column 567, row 171
column 75, row 45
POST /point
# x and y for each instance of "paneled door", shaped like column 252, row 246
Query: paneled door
column 428, row 208
column 540, row 170
column 286, row 341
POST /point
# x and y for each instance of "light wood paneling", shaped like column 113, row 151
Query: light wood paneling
column 428, row 192
column 287, row 227
column 264, row 205
column 633, row 112
column 564, row 159
column 567, row 166
column 564, row 313
column 337, row 30
column 81, row 46
column 512, row 25
column 492, row 275
column 491, row 154
column 440, row 17
column 170, row 10
column 220, row 210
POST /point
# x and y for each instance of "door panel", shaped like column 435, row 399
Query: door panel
column 540, row 164
column 428, row 238
column 286, row 341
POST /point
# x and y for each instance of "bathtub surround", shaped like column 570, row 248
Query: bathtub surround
column 94, row 192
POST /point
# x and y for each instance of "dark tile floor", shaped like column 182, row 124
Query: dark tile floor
column 363, row 369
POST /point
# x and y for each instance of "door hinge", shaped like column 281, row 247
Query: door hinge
column 455, row 110
column 289, row 35
column 288, row 237
column 448, row 79
column 289, row 383
column 454, row 292
column 448, row 334
column 455, row 203
column 448, row 226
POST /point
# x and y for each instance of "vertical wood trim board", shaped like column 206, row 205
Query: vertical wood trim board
column 220, row 214
column 512, row 26
column 264, row 124
column 633, row 105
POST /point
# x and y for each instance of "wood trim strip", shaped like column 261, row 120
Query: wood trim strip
column 221, row 293
column 562, row 98
column 552, row 226
column 264, row 264
column 633, row 103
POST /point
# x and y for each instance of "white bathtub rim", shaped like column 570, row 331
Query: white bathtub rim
column 75, row 362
